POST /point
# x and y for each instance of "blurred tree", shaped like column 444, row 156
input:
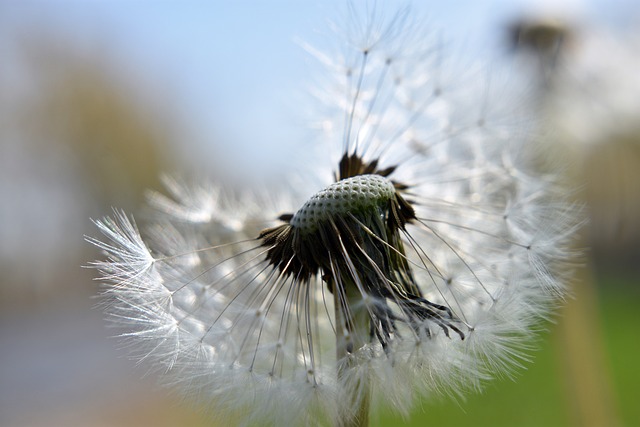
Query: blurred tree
column 114, row 132
column 78, row 135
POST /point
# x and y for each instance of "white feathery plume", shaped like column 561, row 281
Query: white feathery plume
column 423, row 268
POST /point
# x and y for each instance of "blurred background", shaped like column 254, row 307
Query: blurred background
column 99, row 98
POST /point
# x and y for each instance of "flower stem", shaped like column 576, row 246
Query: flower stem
column 352, row 326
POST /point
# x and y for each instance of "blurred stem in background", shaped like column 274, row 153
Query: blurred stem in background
column 583, row 357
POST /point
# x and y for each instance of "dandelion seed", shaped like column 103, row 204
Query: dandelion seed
column 423, row 266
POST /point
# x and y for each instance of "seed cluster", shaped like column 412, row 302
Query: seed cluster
column 347, row 195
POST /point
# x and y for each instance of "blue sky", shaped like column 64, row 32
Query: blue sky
column 233, row 68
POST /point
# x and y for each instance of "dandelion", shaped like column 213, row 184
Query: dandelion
column 421, row 267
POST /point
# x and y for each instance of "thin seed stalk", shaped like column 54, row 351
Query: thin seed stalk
column 352, row 328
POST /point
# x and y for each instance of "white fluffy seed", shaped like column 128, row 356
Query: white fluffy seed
column 348, row 195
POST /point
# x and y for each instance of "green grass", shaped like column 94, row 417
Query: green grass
column 620, row 322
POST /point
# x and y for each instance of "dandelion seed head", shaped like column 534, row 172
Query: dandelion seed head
column 422, row 269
